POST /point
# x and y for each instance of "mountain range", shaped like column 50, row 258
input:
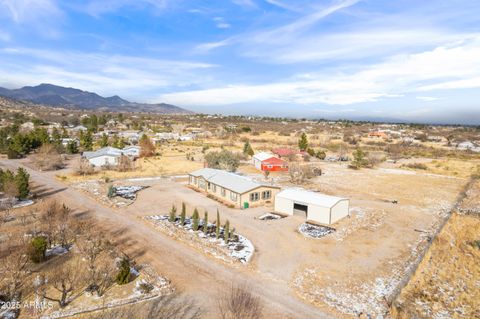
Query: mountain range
column 58, row 96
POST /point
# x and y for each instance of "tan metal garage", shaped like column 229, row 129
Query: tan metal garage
column 317, row 207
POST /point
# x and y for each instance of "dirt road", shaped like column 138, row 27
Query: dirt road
column 197, row 275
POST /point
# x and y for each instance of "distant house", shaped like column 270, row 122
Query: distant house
column 378, row 135
column 166, row 136
column 268, row 162
column 131, row 151
column 284, row 152
column 231, row 188
column 109, row 156
column 316, row 207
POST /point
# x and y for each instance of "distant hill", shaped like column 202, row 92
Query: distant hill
column 58, row 96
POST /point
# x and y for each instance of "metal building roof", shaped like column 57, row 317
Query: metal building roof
column 263, row 156
column 105, row 151
column 234, row 182
column 302, row 196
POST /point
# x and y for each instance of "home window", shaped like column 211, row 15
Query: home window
column 208, row 185
column 266, row 195
column 214, row 188
column 254, row 197
column 270, row 166
column 222, row 191
column 233, row 196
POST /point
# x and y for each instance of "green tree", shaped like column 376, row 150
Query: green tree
column 123, row 276
column 226, row 231
column 86, row 140
column 321, row 155
column 37, row 249
column 303, row 142
column 56, row 136
column 111, row 191
column 217, row 225
column 22, row 181
column 205, row 223
column 247, row 149
column 223, row 160
column 359, row 159
column 104, row 140
column 173, row 214
column 72, row 147
column 195, row 219
column 183, row 214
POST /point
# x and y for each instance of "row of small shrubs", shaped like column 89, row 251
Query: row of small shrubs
column 228, row 232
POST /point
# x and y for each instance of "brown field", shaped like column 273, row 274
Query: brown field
column 447, row 283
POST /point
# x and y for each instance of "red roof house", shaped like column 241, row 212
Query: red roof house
column 283, row 151
column 274, row 164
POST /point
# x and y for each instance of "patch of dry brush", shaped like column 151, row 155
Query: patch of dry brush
column 447, row 282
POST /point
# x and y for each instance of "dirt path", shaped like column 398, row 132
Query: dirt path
column 195, row 274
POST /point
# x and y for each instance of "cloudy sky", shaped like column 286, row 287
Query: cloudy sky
column 405, row 59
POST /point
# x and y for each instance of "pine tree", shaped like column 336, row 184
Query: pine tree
column 247, row 149
column 183, row 214
column 22, row 181
column 173, row 214
column 195, row 219
column 111, row 191
column 217, row 225
column 72, row 147
column 226, row 231
column 303, row 142
column 205, row 223
column 56, row 137
column 86, row 140
column 104, row 140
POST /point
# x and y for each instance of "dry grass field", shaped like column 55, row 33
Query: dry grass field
column 447, row 283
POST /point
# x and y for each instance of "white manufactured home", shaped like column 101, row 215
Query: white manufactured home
column 316, row 207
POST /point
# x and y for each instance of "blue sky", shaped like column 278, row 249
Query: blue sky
column 408, row 60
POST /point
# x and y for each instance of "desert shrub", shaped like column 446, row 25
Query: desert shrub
column 110, row 191
column 84, row 167
column 195, row 219
column 48, row 158
column 240, row 303
column 37, row 249
column 320, row 155
column 359, row 159
column 145, row 287
column 123, row 276
column 172, row 216
column 416, row 166
column 223, row 160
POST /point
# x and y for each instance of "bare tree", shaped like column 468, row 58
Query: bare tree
column 84, row 167
column 125, row 164
column 91, row 247
column 48, row 158
column 14, row 269
column 65, row 279
column 51, row 211
column 240, row 303
column 105, row 275
column 300, row 173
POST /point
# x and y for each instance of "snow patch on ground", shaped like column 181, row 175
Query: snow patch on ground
column 239, row 247
column 127, row 192
column 314, row 231
column 56, row 251
column 270, row 216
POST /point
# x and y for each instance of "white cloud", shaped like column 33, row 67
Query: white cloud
column 98, row 7
column 280, row 34
column 283, row 5
column 106, row 74
column 449, row 66
column 43, row 15
column 427, row 98
column 221, row 23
